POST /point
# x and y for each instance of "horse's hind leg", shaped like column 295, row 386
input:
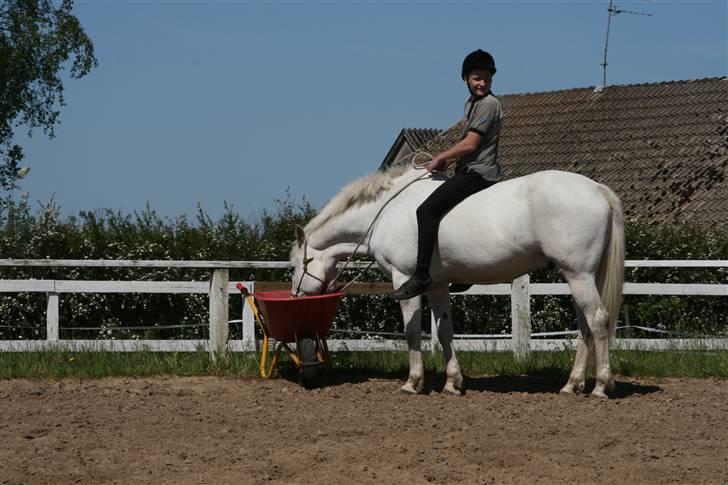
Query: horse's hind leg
column 412, row 313
column 440, row 303
column 586, row 345
column 584, row 290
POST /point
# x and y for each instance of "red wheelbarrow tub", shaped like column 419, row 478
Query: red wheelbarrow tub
column 290, row 318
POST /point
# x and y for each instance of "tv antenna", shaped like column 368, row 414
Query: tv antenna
column 613, row 10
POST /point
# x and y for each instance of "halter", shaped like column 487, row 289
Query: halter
column 307, row 260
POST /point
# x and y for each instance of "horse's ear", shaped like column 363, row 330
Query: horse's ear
column 300, row 235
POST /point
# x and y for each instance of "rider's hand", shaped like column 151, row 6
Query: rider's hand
column 437, row 164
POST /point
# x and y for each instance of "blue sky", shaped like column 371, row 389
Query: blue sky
column 238, row 101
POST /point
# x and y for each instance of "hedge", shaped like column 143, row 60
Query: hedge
column 107, row 234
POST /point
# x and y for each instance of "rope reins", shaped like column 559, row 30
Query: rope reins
column 306, row 260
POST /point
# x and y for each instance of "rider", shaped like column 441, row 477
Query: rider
column 477, row 165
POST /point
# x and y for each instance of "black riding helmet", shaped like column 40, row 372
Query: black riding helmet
column 478, row 60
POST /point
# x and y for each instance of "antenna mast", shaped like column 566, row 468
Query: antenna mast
column 612, row 11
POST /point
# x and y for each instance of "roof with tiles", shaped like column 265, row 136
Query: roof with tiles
column 414, row 138
column 663, row 148
column 417, row 137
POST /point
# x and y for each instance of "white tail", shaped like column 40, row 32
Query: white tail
column 610, row 278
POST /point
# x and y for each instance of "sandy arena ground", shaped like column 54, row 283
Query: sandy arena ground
column 358, row 430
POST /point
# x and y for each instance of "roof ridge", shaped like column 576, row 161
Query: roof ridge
column 592, row 88
column 422, row 129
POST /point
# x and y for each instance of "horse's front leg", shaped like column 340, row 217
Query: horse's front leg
column 412, row 313
column 440, row 302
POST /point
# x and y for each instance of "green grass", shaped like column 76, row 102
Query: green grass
column 672, row 363
column 89, row 365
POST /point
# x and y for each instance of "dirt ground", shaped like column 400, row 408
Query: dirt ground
column 360, row 430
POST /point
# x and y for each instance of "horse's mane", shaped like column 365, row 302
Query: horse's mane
column 359, row 192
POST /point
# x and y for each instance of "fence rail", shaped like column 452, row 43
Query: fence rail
column 219, row 288
column 163, row 263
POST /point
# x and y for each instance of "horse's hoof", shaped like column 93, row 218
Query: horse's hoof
column 572, row 388
column 408, row 388
column 599, row 393
column 451, row 389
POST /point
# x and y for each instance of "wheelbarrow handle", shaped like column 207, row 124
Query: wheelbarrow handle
column 243, row 289
column 264, row 371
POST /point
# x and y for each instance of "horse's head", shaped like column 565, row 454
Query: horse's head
column 312, row 269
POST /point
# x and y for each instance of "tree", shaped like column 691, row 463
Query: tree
column 37, row 39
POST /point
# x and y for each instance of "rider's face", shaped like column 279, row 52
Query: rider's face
column 479, row 81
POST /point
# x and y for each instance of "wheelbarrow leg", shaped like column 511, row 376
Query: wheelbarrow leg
column 323, row 350
column 267, row 371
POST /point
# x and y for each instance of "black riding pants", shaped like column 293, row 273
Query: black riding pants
column 456, row 189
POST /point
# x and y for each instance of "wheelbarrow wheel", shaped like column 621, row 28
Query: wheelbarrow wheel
column 307, row 352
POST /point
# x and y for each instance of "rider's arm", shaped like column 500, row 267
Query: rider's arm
column 464, row 147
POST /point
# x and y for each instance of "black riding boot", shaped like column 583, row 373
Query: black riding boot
column 414, row 286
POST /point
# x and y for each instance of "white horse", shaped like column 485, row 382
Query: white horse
column 494, row 236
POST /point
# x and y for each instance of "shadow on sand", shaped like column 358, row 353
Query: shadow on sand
column 535, row 384
column 531, row 384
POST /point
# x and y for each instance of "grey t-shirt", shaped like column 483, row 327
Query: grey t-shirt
column 483, row 116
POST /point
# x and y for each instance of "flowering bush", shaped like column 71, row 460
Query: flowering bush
column 110, row 234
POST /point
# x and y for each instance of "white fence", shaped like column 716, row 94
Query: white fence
column 219, row 288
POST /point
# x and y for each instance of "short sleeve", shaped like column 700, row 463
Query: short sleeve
column 482, row 118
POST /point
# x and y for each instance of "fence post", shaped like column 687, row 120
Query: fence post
column 520, row 317
column 249, row 342
column 52, row 317
column 628, row 331
column 219, row 313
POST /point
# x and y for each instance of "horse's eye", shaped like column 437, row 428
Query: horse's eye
column 307, row 260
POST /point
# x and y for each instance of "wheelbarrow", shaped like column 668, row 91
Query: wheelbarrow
column 286, row 319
